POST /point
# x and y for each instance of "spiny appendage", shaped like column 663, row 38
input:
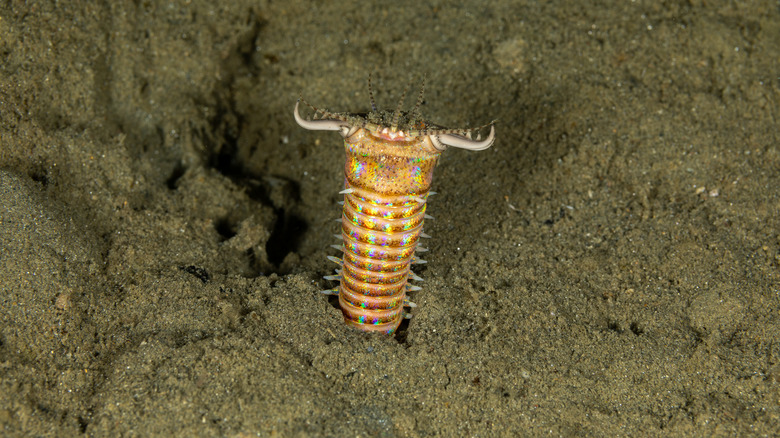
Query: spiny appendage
column 379, row 238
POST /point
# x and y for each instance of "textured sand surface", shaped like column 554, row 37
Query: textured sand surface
column 610, row 267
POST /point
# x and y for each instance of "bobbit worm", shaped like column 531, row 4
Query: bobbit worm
column 388, row 173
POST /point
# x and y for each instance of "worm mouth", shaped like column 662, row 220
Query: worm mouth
column 389, row 135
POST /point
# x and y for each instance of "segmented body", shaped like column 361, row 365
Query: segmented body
column 388, row 177
column 381, row 224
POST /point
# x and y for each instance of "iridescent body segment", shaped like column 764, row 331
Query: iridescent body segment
column 381, row 223
column 389, row 169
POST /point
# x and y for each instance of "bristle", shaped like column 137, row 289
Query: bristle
column 427, row 216
column 336, row 260
column 415, row 113
column 397, row 113
column 371, row 95
column 415, row 277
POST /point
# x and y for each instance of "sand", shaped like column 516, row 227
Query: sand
column 610, row 267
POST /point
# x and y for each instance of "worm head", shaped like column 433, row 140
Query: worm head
column 396, row 126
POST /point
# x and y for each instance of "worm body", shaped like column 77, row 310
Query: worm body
column 389, row 169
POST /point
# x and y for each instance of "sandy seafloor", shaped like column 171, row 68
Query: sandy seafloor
column 610, row 267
